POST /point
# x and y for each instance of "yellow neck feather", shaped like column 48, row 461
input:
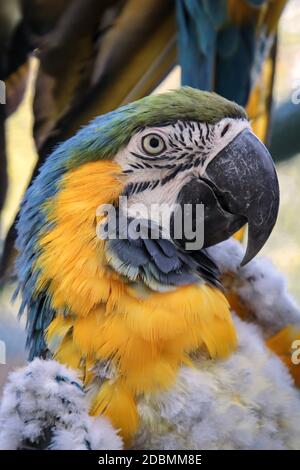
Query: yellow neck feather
column 144, row 340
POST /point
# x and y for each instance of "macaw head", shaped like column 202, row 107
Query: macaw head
column 184, row 147
column 192, row 147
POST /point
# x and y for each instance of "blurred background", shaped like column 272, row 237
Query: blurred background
column 40, row 104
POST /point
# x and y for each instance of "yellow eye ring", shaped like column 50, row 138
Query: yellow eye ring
column 153, row 144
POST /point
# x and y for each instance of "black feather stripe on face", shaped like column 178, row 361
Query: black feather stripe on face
column 186, row 144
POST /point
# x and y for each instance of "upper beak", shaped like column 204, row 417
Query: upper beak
column 239, row 185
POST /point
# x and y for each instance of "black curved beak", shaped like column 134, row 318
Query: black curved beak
column 239, row 185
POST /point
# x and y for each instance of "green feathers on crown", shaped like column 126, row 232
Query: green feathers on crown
column 107, row 134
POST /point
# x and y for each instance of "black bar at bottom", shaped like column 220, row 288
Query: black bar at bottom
column 132, row 459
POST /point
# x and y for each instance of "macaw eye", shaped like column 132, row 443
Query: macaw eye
column 153, row 144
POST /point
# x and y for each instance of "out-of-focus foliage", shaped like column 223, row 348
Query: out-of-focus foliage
column 285, row 141
column 13, row 70
column 283, row 246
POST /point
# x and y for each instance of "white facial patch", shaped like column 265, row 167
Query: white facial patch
column 158, row 161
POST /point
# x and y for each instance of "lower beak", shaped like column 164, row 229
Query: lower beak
column 239, row 185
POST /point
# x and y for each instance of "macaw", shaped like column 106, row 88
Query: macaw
column 128, row 313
